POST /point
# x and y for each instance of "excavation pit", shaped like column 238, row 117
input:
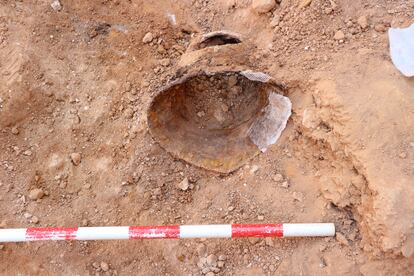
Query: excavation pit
column 218, row 121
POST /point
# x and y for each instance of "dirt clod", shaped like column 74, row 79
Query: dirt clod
column 263, row 6
column 36, row 194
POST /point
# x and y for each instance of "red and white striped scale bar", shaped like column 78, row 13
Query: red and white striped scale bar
column 169, row 232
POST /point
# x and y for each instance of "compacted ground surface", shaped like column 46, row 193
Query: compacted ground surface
column 76, row 80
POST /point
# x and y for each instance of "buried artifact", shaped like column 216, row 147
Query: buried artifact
column 217, row 116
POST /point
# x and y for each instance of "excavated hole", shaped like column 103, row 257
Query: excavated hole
column 206, row 120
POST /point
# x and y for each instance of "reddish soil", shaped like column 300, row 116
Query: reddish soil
column 75, row 86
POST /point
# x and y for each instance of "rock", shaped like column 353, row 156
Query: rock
column 104, row 266
column 148, row 37
column 298, row 196
column 27, row 153
column 165, row 62
column 254, row 169
column 304, row 3
column 36, row 194
column 272, row 268
column 211, row 260
column 222, row 257
column 363, row 22
column 275, row 21
column 285, row 184
column 1, row 246
column 35, row 220
column 341, row 239
column 201, row 262
column 210, row 273
column 15, row 131
column 201, row 250
column 403, row 155
column 76, row 158
column 260, row 217
column 95, row 265
column 201, row 114
column 263, row 6
column 27, row 215
column 220, row 264
column 380, row 28
column 206, row 270
column 184, row 185
column 278, row 177
column 56, row 5
column 339, row 35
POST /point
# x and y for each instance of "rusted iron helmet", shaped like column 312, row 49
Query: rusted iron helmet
column 218, row 114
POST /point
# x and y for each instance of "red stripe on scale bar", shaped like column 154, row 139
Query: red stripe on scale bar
column 154, row 232
column 256, row 230
column 58, row 233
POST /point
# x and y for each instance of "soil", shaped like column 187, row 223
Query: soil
column 75, row 150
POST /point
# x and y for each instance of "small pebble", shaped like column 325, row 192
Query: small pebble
column 260, row 217
column 56, row 5
column 104, row 266
column 285, row 184
column 298, row 196
column 210, row 273
column 254, row 169
column 76, row 158
column 380, row 28
column 184, row 185
column 165, row 62
column 15, row 130
column 263, row 6
column 363, row 22
column 278, row 177
column 304, row 3
column 35, row 220
column 27, row 215
column 36, row 194
column 403, row 155
column 339, row 35
column 148, row 38
column 212, row 260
